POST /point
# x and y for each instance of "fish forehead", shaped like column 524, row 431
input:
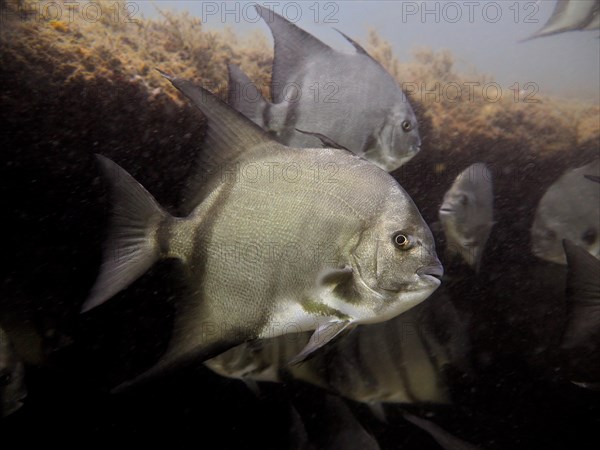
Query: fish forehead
column 571, row 198
column 568, row 217
column 476, row 178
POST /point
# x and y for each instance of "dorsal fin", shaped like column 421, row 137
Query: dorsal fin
column 293, row 47
column 359, row 48
column 228, row 137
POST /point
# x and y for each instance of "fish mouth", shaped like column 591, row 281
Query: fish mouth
column 432, row 273
column 411, row 153
column 392, row 162
column 446, row 210
column 12, row 407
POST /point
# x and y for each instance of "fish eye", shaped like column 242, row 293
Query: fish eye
column 463, row 200
column 401, row 240
column 589, row 237
column 406, row 125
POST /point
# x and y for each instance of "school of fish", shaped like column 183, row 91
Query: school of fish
column 304, row 259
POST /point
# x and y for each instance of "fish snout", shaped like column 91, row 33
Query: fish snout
column 432, row 272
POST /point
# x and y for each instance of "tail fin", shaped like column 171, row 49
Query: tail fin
column 244, row 96
column 132, row 245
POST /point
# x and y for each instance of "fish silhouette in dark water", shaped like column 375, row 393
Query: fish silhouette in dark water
column 467, row 213
column 568, row 210
column 581, row 338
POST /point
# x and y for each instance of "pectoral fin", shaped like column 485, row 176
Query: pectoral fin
column 253, row 386
column 326, row 141
column 331, row 276
column 322, row 335
column 378, row 411
column 338, row 285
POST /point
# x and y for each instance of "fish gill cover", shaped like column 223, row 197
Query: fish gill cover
column 72, row 87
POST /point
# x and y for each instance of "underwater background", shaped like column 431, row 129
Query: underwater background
column 72, row 87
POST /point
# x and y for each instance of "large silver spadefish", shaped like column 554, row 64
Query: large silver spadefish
column 280, row 240
column 347, row 97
